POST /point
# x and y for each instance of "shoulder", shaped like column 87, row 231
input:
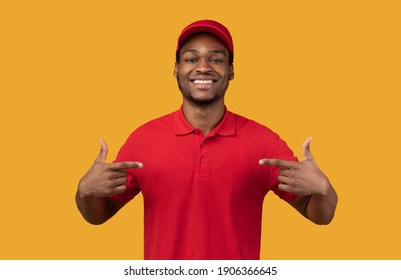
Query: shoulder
column 246, row 125
column 155, row 126
column 258, row 134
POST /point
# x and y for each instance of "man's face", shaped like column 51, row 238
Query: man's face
column 203, row 72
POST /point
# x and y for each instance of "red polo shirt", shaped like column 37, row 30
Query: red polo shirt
column 203, row 196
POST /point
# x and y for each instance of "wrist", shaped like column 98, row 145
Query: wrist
column 324, row 186
column 82, row 191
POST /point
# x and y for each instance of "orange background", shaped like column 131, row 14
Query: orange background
column 73, row 72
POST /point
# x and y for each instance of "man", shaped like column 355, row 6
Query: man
column 204, row 171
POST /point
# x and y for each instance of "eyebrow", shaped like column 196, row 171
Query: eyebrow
column 196, row 51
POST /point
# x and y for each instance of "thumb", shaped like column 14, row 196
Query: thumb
column 103, row 152
column 306, row 153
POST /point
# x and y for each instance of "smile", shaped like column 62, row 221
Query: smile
column 203, row 81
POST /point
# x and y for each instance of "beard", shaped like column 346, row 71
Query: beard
column 199, row 102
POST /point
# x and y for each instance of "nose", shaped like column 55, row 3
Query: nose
column 203, row 66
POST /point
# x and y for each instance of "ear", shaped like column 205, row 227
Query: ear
column 175, row 73
column 231, row 77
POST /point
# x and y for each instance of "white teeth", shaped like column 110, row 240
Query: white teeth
column 203, row 81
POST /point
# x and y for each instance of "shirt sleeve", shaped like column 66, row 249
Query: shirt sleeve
column 281, row 151
column 132, row 185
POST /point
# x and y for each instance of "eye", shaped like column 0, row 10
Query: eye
column 216, row 60
column 191, row 60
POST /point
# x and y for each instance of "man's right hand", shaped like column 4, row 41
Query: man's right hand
column 105, row 179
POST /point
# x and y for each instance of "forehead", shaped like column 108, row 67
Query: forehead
column 201, row 41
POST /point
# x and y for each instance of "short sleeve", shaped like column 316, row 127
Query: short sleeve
column 281, row 151
column 132, row 185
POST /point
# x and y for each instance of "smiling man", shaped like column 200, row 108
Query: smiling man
column 203, row 70
column 203, row 170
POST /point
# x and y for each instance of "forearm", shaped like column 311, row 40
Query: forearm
column 95, row 210
column 320, row 208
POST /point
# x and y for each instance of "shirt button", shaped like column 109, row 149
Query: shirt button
column 203, row 160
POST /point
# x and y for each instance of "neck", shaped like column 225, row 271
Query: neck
column 204, row 118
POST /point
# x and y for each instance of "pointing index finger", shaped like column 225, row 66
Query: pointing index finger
column 125, row 165
column 277, row 162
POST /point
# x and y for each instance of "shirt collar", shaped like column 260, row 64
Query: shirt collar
column 226, row 127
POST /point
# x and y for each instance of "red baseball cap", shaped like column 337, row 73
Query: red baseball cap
column 208, row 26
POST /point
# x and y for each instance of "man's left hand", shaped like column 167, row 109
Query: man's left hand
column 303, row 177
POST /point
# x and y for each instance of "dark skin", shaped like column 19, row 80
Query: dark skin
column 203, row 58
column 203, row 76
column 100, row 181
column 317, row 199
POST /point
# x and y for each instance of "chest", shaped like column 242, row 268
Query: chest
column 193, row 165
